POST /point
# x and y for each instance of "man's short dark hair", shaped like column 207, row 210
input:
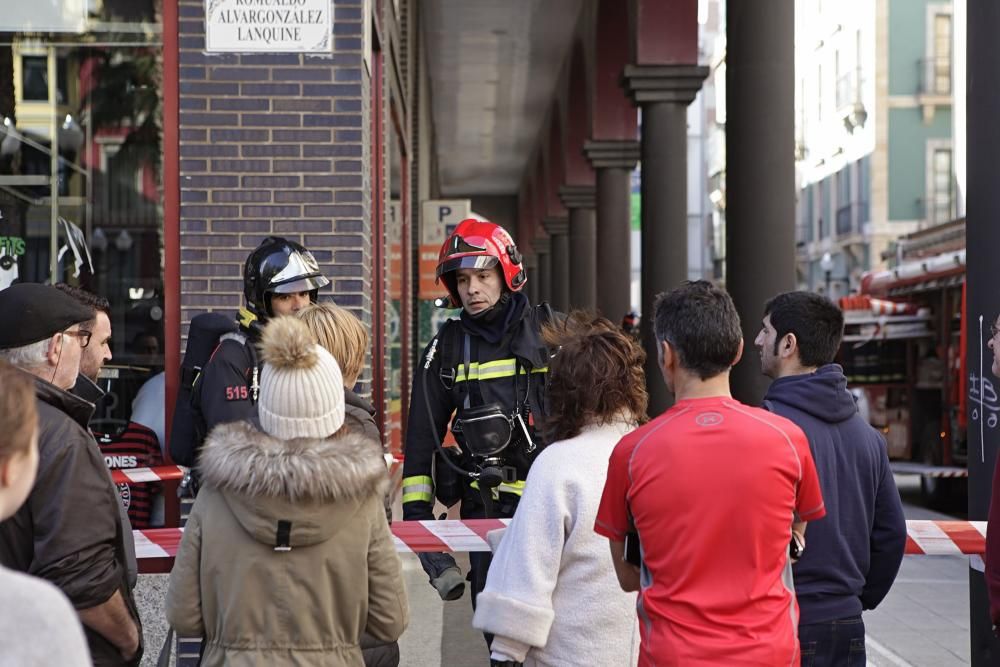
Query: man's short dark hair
column 700, row 322
column 818, row 325
column 98, row 303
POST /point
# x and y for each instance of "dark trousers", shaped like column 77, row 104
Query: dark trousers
column 839, row 643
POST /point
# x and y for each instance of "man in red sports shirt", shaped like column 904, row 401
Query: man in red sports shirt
column 714, row 489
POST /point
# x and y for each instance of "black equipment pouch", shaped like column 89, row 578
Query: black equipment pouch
column 486, row 430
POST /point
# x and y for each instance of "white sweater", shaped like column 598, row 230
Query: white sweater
column 552, row 585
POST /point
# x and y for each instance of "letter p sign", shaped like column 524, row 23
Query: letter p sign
column 443, row 212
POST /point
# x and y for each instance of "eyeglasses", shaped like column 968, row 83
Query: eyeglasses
column 82, row 334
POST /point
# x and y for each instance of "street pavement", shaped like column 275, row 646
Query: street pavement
column 923, row 622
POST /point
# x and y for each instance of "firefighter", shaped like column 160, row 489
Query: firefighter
column 280, row 277
column 486, row 373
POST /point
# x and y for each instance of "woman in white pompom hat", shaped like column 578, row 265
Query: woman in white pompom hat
column 287, row 557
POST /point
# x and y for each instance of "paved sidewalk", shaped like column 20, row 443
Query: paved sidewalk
column 924, row 621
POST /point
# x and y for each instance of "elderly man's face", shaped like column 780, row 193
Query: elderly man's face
column 65, row 352
column 99, row 349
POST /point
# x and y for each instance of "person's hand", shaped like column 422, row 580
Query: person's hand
column 129, row 652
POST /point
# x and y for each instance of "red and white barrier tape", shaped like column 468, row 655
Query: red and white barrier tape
column 943, row 538
column 157, row 474
column 928, row 538
column 164, row 473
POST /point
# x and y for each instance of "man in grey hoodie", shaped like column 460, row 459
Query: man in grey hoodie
column 854, row 553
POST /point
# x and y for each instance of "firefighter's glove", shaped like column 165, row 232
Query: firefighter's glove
column 444, row 574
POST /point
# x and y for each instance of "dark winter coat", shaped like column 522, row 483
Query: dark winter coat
column 853, row 554
column 70, row 531
column 359, row 416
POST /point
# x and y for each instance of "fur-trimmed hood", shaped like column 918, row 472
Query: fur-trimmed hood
column 314, row 484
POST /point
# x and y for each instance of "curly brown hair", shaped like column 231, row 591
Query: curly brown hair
column 596, row 376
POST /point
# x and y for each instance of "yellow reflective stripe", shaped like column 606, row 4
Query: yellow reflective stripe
column 418, row 488
column 491, row 370
column 516, row 488
column 417, row 479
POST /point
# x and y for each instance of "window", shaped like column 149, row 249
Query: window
column 805, row 232
column 844, row 201
column 941, row 69
column 35, row 79
column 941, row 194
column 864, row 188
column 824, row 208
column 819, row 93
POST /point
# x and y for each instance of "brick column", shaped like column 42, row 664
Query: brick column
column 664, row 93
column 579, row 200
column 542, row 247
column 273, row 144
column 558, row 231
column 531, row 269
column 613, row 161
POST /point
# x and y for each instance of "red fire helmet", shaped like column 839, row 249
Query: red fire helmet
column 478, row 244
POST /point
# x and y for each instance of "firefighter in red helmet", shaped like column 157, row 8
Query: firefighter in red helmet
column 485, row 372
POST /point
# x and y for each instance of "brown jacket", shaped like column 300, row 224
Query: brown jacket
column 70, row 530
column 255, row 602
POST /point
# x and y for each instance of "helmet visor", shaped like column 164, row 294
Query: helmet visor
column 467, row 262
column 303, row 284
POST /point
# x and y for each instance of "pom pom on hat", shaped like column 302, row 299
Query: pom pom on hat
column 301, row 387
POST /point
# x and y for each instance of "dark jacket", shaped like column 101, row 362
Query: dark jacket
column 359, row 416
column 69, row 531
column 518, row 363
column 227, row 387
column 853, row 554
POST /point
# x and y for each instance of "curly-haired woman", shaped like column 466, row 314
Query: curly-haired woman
column 552, row 596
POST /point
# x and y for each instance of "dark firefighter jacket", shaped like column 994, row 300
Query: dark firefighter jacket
column 226, row 389
column 506, row 372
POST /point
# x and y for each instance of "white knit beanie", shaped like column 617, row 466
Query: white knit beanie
column 301, row 388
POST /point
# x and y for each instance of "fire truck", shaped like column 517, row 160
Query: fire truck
column 904, row 356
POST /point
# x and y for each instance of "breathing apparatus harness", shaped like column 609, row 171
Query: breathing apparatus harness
column 486, row 429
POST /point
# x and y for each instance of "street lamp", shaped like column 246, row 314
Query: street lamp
column 826, row 263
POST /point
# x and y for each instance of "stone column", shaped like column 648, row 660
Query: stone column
column 760, row 170
column 982, row 299
column 664, row 93
column 558, row 231
column 613, row 161
column 531, row 269
column 542, row 247
column 579, row 200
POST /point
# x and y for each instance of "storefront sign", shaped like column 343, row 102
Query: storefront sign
column 438, row 219
column 274, row 26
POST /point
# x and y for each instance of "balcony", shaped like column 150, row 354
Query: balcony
column 849, row 105
column 934, row 77
column 851, row 218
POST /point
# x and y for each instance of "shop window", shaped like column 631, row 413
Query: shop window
column 104, row 222
column 35, row 79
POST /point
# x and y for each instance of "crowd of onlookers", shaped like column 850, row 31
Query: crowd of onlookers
column 288, row 557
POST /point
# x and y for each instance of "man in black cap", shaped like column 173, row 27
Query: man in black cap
column 69, row 531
